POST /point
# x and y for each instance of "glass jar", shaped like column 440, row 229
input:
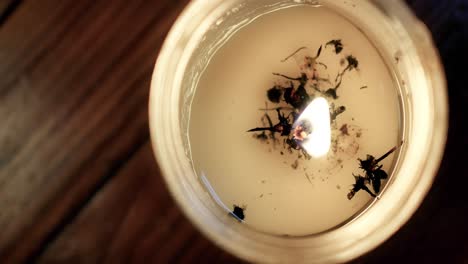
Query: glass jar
column 402, row 41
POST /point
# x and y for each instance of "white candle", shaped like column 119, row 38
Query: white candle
column 283, row 193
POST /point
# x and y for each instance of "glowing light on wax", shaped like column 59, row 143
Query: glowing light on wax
column 317, row 115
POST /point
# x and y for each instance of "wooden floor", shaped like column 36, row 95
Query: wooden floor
column 78, row 182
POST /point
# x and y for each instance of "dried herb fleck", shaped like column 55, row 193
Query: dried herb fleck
column 262, row 136
column 283, row 127
column 274, row 94
column 359, row 185
column 298, row 97
column 334, row 113
column 337, row 44
column 353, row 63
column 374, row 174
column 238, row 213
column 295, row 165
column 344, row 129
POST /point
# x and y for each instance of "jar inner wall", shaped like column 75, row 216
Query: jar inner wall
column 279, row 188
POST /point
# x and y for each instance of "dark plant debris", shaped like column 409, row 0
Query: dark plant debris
column 335, row 112
column 283, row 127
column 292, row 97
column 238, row 213
column 374, row 174
column 359, row 185
column 344, row 130
column 337, row 44
column 353, row 63
column 295, row 165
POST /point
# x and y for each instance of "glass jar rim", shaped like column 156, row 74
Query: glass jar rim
column 176, row 169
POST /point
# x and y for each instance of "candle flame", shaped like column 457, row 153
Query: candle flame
column 317, row 115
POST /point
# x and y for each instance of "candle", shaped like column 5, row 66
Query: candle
column 296, row 181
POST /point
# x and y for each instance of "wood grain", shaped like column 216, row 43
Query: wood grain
column 133, row 220
column 7, row 7
column 74, row 99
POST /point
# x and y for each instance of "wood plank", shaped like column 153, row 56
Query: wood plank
column 31, row 33
column 75, row 107
column 7, row 7
column 133, row 220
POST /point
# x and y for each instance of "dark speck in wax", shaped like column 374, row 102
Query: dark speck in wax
column 342, row 62
column 238, row 213
column 262, row 136
column 337, row 44
column 344, row 129
column 308, row 178
column 398, row 55
column 295, row 165
column 274, row 94
column 353, row 63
